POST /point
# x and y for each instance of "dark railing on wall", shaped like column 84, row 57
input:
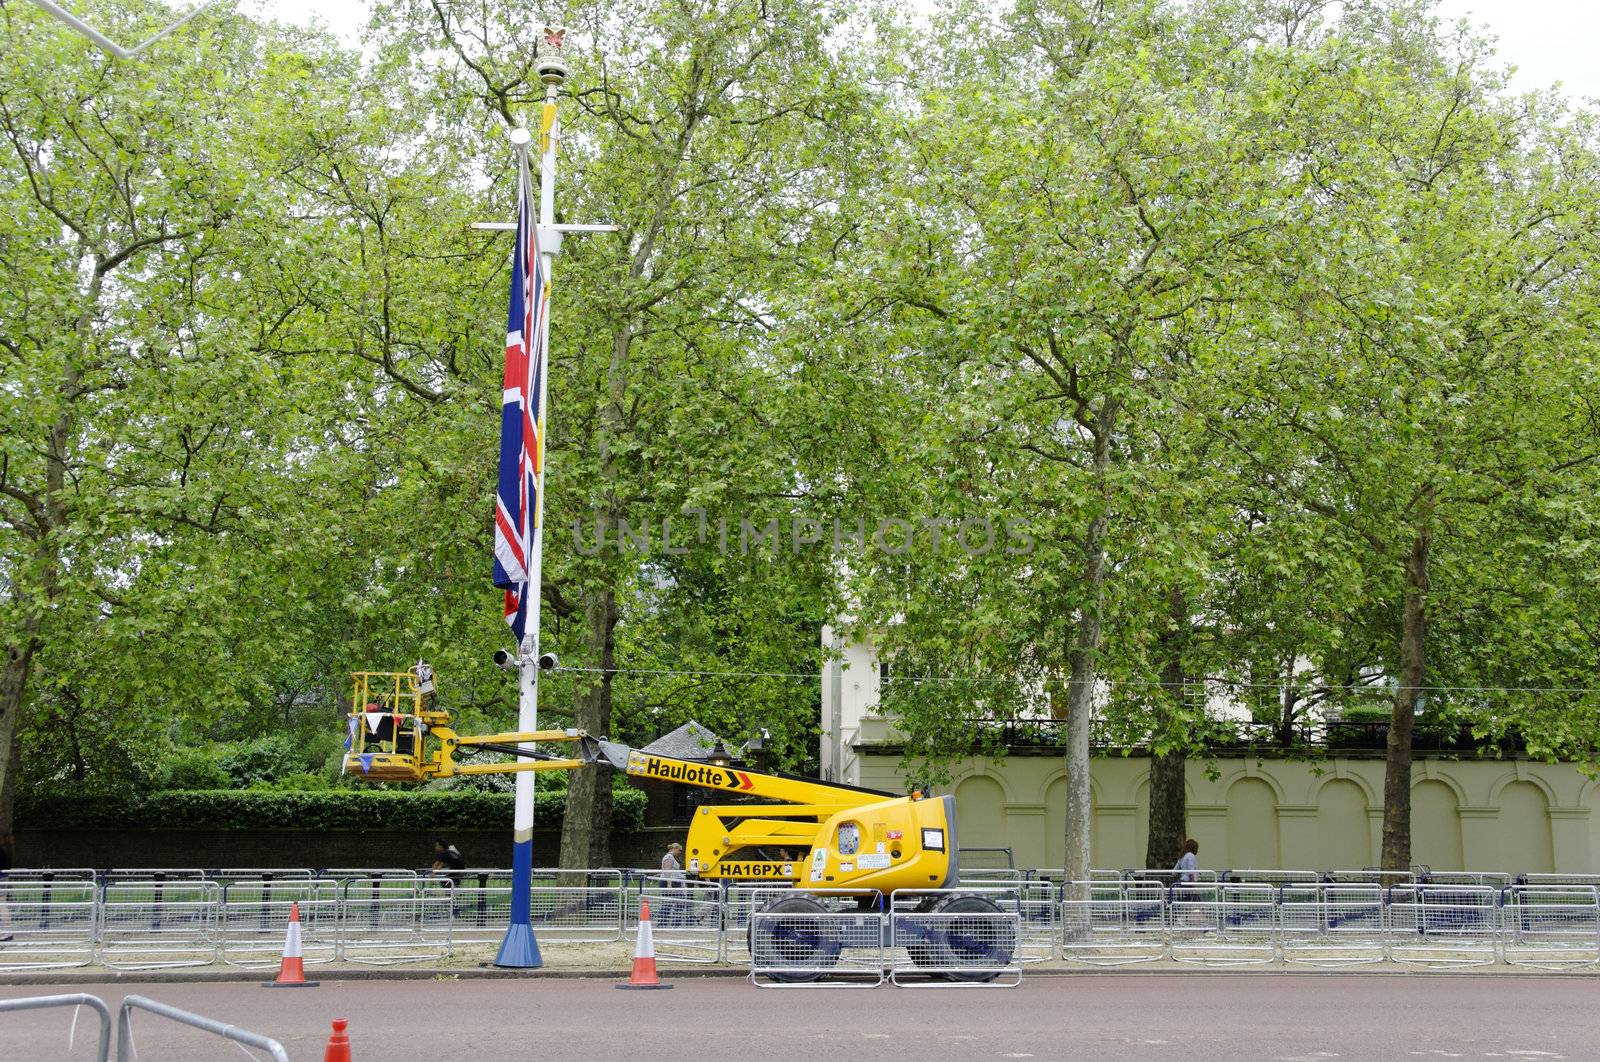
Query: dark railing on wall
column 1229, row 735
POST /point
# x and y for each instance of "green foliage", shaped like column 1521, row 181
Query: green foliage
column 263, row 760
column 192, row 769
column 299, row 810
column 1229, row 309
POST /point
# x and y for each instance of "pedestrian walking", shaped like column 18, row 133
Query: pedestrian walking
column 1188, row 864
column 672, row 871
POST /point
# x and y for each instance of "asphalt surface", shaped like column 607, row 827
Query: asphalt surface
column 1193, row 1017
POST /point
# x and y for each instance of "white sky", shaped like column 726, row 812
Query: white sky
column 1547, row 40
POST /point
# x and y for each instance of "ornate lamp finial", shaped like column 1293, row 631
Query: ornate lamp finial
column 552, row 67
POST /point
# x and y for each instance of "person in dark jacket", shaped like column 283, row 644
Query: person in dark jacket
column 447, row 857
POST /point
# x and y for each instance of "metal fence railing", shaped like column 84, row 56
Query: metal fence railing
column 794, row 938
column 1444, row 925
column 560, row 914
column 150, row 924
column 686, row 917
column 953, row 937
column 1222, row 924
column 49, row 924
column 1553, row 927
column 1332, row 924
column 126, row 1051
column 1113, row 922
column 162, row 918
column 255, row 917
column 73, row 1000
column 385, row 921
column 739, row 905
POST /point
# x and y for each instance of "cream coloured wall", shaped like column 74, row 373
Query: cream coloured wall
column 1507, row 815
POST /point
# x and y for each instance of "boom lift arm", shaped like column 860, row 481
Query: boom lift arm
column 821, row 835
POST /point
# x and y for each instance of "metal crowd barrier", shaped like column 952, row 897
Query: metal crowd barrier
column 344, row 874
column 265, row 874
column 51, row 924
column 1036, row 905
column 1172, row 877
column 559, row 914
column 74, row 1000
column 955, row 946
column 740, row 902
column 110, row 877
column 1465, row 877
column 1551, row 927
column 1113, row 922
column 1222, row 924
column 1368, row 876
column 1443, row 925
column 1557, row 879
column 126, row 1051
column 1270, row 877
column 1332, row 924
column 838, row 945
column 47, row 874
column 978, row 877
column 61, row 918
column 255, row 918
column 152, row 924
column 385, row 921
column 685, row 916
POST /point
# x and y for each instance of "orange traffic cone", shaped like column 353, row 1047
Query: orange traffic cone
column 338, row 1043
column 292, row 971
column 644, row 954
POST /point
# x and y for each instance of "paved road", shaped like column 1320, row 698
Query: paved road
column 1182, row 1018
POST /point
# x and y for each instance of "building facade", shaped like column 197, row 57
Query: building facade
column 1313, row 810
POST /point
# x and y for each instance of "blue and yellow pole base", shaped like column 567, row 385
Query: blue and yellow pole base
column 520, row 948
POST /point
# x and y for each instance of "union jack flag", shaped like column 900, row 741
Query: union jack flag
column 517, row 509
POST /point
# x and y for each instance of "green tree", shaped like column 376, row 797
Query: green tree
column 142, row 426
column 1417, row 383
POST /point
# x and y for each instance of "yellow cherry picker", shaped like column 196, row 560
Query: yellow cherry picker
column 863, row 842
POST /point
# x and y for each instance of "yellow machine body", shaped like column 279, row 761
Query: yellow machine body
column 838, row 837
column 834, row 836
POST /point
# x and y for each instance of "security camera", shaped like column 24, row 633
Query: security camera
column 503, row 659
column 548, row 662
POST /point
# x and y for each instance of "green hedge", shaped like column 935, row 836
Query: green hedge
column 317, row 810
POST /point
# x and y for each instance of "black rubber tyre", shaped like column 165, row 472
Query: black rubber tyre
column 811, row 951
column 981, row 945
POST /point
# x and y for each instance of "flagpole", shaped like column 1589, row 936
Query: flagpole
column 520, row 948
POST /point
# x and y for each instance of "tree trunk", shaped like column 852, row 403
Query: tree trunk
column 19, row 657
column 13, row 683
column 1080, row 705
column 1082, row 661
column 1169, row 809
column 1413, row 666
column 1080, row 692
column 586, row 828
